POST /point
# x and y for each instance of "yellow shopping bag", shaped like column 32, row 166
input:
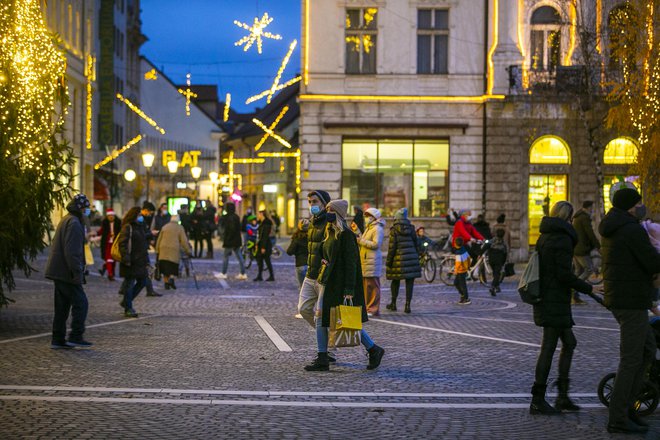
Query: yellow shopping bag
column 341, row 337
column 348, row 317
column 89, row 257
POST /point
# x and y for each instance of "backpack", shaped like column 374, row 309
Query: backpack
column 529, row 286
column 114, row 251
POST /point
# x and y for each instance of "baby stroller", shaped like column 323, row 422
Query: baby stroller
column 648, row 399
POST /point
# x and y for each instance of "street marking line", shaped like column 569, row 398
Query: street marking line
column 515, row 321
column 272, row 334
column 279, row 393
column 451, row 332
column 103, row 324
column 223, row 282
column 279, row 403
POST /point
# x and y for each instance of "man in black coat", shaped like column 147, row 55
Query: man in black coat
column 629, row 262
column 66, row 267
column 231, row 240
column 587, row 242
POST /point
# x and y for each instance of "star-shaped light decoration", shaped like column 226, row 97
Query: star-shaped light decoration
column 256, row 32
column 188, row 94
column 276, row 84
column 269, row 130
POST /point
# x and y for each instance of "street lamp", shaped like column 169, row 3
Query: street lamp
column 130, row 175
column 215, row 177
column 173, row 167
column 148, row 161
column 196, row 173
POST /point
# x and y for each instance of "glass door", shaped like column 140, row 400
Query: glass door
column 544, row 191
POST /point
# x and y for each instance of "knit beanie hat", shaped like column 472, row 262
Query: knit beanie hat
column 626, row 198
column 78, row 203
column 375, row 213
column 401, row 214
column 322, row 195
column 340, row 207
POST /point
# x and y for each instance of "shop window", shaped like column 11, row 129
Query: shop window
column 549, row 150
column 544, row 191
column 392, row 174
column 432, row 41
column 545, row 39
column 361, row 38
column 609, row 181
column 620, row 151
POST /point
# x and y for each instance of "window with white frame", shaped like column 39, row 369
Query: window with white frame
column 361, row 38
column 545, row 39
column 432, row 41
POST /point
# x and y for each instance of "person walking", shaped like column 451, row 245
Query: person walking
column 461, row 267
column 341, row 277
column 66, row 268
column 211, row 227
column 500, row 223
column 134, row 258
column 110, row 227
column 498, row 254
column 629, row 263
column 402, row 258
column 298, row 248
column 555, row 250
column 198, row 230
column 587, row 242
column 483, row 227
column 147, row 212
column 160, row 219
column 172, row 240
column 231, row 241
column 371, row 257
column 264, row 245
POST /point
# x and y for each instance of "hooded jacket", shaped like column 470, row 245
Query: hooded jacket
column 587, row 240
column 231, row 228
column 402, row 256
column 555, row 247
column 315, row 236
column 66, row 260
column 629, row 261
column 136, row 259
column 370, row 243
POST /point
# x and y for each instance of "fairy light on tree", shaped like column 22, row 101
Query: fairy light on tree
column 276, row 83
column 256, row 33
column 35, row 161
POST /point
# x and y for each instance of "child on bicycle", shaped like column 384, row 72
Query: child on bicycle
column 461, row 267
column 424, row 243
column 251, row 230
column 497, row 256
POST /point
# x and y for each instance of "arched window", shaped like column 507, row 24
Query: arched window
column 545, row 39
column 620, row 151
column 549, row 150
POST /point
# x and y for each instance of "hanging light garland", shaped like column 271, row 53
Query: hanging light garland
column 140, row 113
column 270, row 130
column 225, row 116
column 188, row 94
column 276, row 83
column 256, row 33
column 297, row 154
column 90, row 74
column 115, row 154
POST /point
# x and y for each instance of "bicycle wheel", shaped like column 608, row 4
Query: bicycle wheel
column 605, row 388
column 646, row 402
column 428, row 270
column 247, row 258
column 483, row 277
column 446, row 271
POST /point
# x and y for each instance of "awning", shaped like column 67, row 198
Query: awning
column 101, row 189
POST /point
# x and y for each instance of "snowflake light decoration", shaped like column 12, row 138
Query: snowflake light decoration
column 256, row 32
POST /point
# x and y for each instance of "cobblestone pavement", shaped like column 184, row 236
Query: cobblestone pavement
column 198, row 364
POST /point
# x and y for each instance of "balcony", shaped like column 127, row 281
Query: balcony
column 564, row 80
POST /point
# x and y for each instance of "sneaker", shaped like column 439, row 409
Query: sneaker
column 79, row 343
column 242, row 277
column 464, row 302
column 154, row 293
column 492, row 291
column 375, row 356
column 369, row 314
column 60, row 345
column 222, row 276
column 130, row 313
column 298, row 316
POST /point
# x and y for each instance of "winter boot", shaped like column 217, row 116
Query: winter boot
column 539, row 405
column 406, row 309
column 391, row 306
column 321, row 363
column 375, row 356
column 563, row 403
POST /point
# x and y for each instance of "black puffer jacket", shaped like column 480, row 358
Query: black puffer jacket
column 555, row 248
column 315, row 237
column 298, row 247
column 134, row 263
column 231, row 228
column 629, row 261
column 402, row 256
column 587, row 240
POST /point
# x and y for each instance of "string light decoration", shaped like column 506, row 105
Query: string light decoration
column 151, row 75
column 225, row 115
column 33, row 73
column 270, row 130
column 276, row 83
column 115, row 154
column 90, row 74
column 140, row 113
column 232, row 160
column 297, row 154
column 256, row 33
column 188, row 94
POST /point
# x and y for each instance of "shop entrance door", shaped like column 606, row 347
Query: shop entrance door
column 544, row 191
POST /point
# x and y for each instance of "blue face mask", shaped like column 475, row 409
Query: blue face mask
column 140, row 219
column 315, row 210
column 87, row 212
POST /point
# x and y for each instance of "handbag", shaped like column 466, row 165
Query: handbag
column 509, row 270
column 89, row 257
column 114, row 250
column 348, row 316
column 529, row 286
column 338, row 338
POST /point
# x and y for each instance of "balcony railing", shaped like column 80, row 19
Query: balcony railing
column 564, row 80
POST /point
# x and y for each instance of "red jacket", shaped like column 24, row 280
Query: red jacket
column 466, row 231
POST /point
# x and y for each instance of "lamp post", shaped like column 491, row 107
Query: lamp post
column 148, row 161
column 214, row 180
column 173, row 167
column 196, row 173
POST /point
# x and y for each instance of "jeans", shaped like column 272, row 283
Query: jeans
column 394, row 287
column 199, row 244
column 307, row 299
column 301, row 271
column 637, row 351
column 460, row 282
column 133, row 288
column 584, row 268
column 69, row 297
column 548, row 346
column 372, row 294
column 225, row 261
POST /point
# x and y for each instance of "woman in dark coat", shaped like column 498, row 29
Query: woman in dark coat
column 341, row 276
column 402, row 258
column 198, row 228
column 264, row 245
column 555, row 249
column 134, row 258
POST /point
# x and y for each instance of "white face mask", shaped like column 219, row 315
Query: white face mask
column 369, row 220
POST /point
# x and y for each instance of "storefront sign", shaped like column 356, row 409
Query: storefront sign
column 188, row 159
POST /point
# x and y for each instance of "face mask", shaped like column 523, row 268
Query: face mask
column 140, row 219
column 163, row 211
column 331, row 216
column 315, row 210
column 369, row 220
column 640, row 212
column 87, row 212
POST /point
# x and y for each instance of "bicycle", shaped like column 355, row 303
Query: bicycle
column 427, row 263
column 478, row 272
column 249, row 253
